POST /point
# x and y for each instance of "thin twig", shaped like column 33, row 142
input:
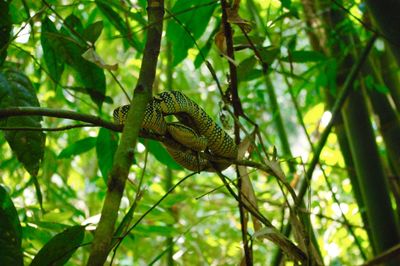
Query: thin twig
column 41, row 111
column 151, row 209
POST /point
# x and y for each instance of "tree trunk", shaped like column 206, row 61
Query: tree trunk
column 386, row 15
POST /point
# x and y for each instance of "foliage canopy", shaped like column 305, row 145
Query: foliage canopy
column 282, row 65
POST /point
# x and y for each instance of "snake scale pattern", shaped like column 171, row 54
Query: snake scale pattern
column 195, row 130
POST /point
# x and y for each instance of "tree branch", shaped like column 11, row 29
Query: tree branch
column 99, row 122
column 237, row 110
column 40, row 111
column 124, row 154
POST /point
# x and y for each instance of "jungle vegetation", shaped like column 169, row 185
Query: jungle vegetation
column 308, row 89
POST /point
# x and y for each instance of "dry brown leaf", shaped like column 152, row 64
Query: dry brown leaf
column 235, row 18
column 247, row 190
column 299, row 235
column 219, row 40
column 91, row 56
column 282, row 241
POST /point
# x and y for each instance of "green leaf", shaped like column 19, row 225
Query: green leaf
column 90, row 75
column 17, row 90
column 286, row 3
column 245, row 67
column 17, row 14
column 253, row 74
column 51, row 56
column 60, row 248
column 382, row 88
column 269, row 54
column 160, row 153
column 72, row 25
column 5, row 30
column 202, row 54
column 371, row 84
column 106, row 145
column 173, row 199
column 159, row 230
column 93, row 31
column 119, row 24
column 195, row 21
column 242, row 40
column 70, row 48
column 78, row 147
column 303, row 56
column 10, row 232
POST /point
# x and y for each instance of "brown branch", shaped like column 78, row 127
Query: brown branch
column 237, row 106
column 238, row 111
column 97, row 121
column 40, row 111
column 50, row 129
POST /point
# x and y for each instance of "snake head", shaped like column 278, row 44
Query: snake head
column 120, row 114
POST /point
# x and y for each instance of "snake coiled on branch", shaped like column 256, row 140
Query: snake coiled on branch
column 195, row 130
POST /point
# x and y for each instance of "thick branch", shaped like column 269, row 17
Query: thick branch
column 97, row 121
column 124, row 154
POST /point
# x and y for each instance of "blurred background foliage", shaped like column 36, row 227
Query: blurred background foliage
column 305, row 59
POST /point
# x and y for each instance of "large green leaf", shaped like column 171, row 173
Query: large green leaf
column 60, row 248
column 5, row 30
column 106, row 145
column 286, row 3
column 194, row 21
column 119, row 24
column 202, row 54
column 70, row 48
column 10, row 232
column 269, row 54
column 245, row 67
column 90, row 75
column 17, row 90
column 303, row 56
column 51, row 56
column 159, row 230
column 371, row 84
column 93, row 31
column 79, row 147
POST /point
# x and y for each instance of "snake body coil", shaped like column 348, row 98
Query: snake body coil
column 196, row 130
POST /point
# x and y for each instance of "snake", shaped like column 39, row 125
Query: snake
column 196, row 131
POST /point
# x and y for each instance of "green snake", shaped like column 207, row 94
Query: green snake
column 195, row 130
